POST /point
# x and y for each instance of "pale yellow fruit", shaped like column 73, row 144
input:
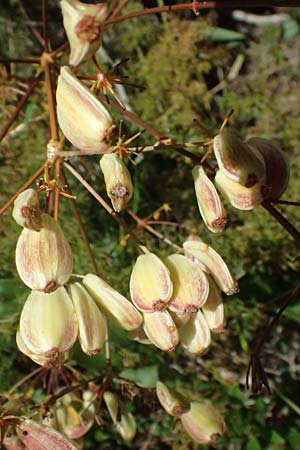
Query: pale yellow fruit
column 126, row 427
column 213, row 309
column 161, row 330
column 27, row 211
column 195, row 336
column 172, row 401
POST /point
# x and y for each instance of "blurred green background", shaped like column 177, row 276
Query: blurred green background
column 192, row 68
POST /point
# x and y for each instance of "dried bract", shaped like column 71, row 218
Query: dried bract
column 117, row 180
column 210, row 205
column 83, row 119
column 83, row 24
column 27, row 211
column 44, row 258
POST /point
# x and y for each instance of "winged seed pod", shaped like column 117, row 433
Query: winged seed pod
column 112, row 404
column 56, row 360
column 161, row 330
column 214, row 264
column 72, row 420
column 44, row 259
column 237, row 160
column 117, row 180
column 203, row 422
column 240, row 196
column 195, row 337
column 277, row 166
column 210, row 205
column 40, row 437
column 83, row 24
column 213, row 309
column 126, row 427
column 83, row 119
column 150, row 283
column 27, row 211
column 172, row 401
column 190, row 284
column 91, row 323
column 48, row 324
column 112, row 303
column 180, row 320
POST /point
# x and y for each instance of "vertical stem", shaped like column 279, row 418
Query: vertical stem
column 45, row 28
column 33, row 30
column 282, row 220
column 51, row 101
column 56, row 192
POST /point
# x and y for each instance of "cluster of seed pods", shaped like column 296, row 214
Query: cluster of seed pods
column 248, row 174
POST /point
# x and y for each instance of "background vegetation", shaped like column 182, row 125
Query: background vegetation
column 192, row 68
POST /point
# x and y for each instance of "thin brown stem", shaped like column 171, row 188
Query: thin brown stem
column 60, row 49
column 57, row 166
column 20, row 60
column 101, row 201
column 26, row 378
column 286, row 202
column 21, row 189
column 51, row 100
column 119, row 8
column 45, row 27
column 282, row 220
column 28, row 22
column 80, row 224
column 195, row 6
column 19, row 106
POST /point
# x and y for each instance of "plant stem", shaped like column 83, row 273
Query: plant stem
column 20, row 105
column 20, row 60
column 45, row 28
column 21, row 189
column 282, row 220
column 195, row 6
column 28, row 22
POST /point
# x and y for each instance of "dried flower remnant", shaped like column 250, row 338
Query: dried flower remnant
column 214, row 264
column 83, row 24
column 210, row 205
column 44, row 258
column 161, row 330
column 83, row 119
column 239, row 196
column 111, row 302
column 172, row 401
column 277, row 166
column 237, row 160
column 40, row 437
column 26, row 211
column 48, row 324
column 117, row 180
column 190, row 284
column 203, row 422
column 91, row 323
column 150, row 283
column 195, row 336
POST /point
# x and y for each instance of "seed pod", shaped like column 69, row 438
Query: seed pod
column 210, row 206
column 56, row 360
column 180, row 320
column 139, row 335
column 44, row 259
column 240, row 196
column 203, row 422
column 150, row 283
column 195, row 336
column 161, row 330
column 83, row 24
column 172, row 401
column 214, row 263
column 48, row 324
column 117, row 180
column 112, row 404
column 71, row 422
column 237, row 160
column 83, row 119
column 12, row 442
column 91, row 323
column 40, row 437
column 127, row 426
column 277, row 166
column 190, row 284
column 27, row 211
column 213, row 309
column 117, row 307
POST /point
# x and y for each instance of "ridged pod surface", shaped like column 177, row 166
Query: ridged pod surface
column 112, row 303
column 83, row 119
column 172, row 401
column 44, row 258
column 48, row 324
column 237, row 160
column 195, row 336
column 213, row 309
column 190, row 284
column 161, row 330
column 214, row 264
column 150, row 283
column 210, row 205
